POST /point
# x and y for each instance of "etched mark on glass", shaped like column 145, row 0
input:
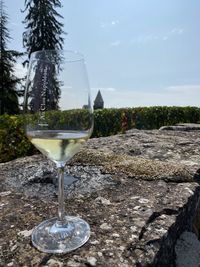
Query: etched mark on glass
column 42, row 121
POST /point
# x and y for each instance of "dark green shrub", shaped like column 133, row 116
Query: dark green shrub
column 112, row 121
column 14, row 144
column 155, row 117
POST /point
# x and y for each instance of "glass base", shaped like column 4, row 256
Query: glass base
column 52, row 236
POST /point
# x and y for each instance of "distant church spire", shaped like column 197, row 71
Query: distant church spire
column 98, row 102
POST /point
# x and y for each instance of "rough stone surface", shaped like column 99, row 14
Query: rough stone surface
column 139, row 192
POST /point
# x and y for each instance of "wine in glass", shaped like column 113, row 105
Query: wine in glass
column 58, row 120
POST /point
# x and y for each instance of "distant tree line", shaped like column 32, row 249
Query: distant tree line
column 43, row 30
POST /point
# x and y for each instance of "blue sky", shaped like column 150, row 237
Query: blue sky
column 138, row 52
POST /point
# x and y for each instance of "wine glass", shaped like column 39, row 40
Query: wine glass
column 58, row 121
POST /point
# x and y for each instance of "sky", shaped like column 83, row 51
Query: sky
column 138, row 52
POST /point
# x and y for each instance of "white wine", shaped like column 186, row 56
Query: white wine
column 58, row 146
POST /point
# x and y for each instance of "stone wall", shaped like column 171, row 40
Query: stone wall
column 139, row 192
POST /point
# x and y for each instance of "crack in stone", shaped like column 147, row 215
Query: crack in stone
column 154, row 216
column 153, row 242
column 44, row 260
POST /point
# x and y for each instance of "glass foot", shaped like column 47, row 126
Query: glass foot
column 53, row 237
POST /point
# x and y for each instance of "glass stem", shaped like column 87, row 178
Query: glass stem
column 61, row 207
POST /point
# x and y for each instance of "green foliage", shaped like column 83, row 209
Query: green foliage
column 8, row 81
column 77, row 119
column 112, row 121
column 13, row 142
column 156, row 117
column 43, row 30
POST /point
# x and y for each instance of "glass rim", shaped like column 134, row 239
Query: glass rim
column 77, row 56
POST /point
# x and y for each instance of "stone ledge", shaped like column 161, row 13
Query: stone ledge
column 137, row 206
column 182, row 127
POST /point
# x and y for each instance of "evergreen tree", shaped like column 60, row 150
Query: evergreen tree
column 8, row 81
column 43, row 30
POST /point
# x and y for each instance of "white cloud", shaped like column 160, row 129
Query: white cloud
column 109, row 89
column 115, row 43
column 165, row 38
column 109, row 24
column 178, row 95
column 103, row 25
column 172, row 33
column 146, row 38
column 186, row 88
column 177, row 31
column 103, row 89
column 114, row 22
